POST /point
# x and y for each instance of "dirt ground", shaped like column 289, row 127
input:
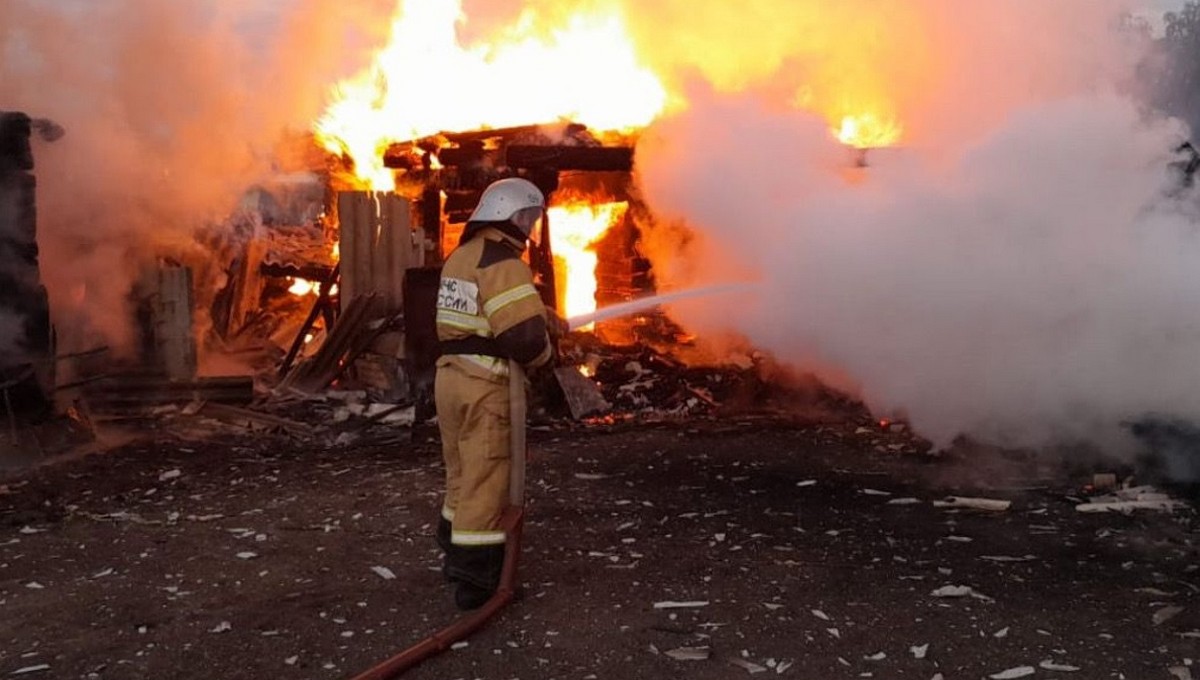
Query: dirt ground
column 718, row 549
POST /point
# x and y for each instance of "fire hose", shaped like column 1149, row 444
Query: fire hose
column 513, row 518
column 512, row 521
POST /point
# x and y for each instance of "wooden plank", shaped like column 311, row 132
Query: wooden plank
column 378, row 243
column 247, row 286
column 255, row 419
column 135, row 392
column 347, row 337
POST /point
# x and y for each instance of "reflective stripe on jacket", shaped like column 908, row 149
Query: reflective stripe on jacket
column 487, row 291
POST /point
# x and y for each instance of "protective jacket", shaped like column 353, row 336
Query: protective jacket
column 488, row 311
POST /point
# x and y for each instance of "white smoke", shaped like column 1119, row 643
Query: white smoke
column 1035, row 280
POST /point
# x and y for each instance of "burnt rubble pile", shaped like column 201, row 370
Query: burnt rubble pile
column 661, row 377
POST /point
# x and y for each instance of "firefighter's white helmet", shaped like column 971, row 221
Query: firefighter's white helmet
column 507, row 197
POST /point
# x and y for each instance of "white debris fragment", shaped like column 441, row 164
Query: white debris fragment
column 783, row 666
column 31, row 669
column 102, row 574
column 222, row 627
column 820, row 614
column 35, row 585
column 1002, row 633
column 169, row 475
column 246, row 555
column 1008, row 558
column 669, row 604
column 749, row 666
column 291, row 660
column 384, row 573
column 1166, row 614
column 1129, row 506
column 589, row 476
column 938, row 676
column 30, row 530
column 959, row 539
column 875, row 492
column 960, row 591
column 834, row 632
column 985, row 504
column 1133, row 498
column 807, row 482
column 919, row 651
column 1050, row 665
column 1180, row 672
column 877, row 656
column 688, row 653
column 904, row 501
column 460, row 644
column 1018, row 672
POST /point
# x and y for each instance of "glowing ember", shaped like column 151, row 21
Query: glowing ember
column 425, row 81
column 302, row 287
column 574, row 228
column 586, row 371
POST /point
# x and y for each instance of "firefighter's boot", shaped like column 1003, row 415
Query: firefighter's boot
column 477, row 571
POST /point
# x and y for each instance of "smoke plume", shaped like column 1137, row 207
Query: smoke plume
column 172, row 109
column 1023, row 269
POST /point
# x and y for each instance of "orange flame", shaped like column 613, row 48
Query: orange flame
column 425, row 81
column 575, row 227
column 587, row 68
column 869, row 131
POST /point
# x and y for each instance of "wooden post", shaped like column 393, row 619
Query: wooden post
column 174, row 338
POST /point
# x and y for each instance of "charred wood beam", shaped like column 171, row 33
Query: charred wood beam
column 467, row 155
column 322, row 305
column 460, row 201
column 595, row 158
column 309, row 272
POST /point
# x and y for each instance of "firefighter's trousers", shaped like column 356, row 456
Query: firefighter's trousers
column 475, row 423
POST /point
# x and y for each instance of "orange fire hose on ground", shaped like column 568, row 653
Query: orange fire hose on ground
column 512, row 522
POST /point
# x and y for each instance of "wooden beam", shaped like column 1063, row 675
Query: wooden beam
column 596, row 158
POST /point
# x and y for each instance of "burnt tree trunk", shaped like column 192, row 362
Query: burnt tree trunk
column 26, row 352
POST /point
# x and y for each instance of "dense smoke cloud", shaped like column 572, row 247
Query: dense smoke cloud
column 172, row 109
column 1028, row 277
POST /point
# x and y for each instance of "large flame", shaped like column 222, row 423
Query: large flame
column 425, row 81
column 586, row 68
column 575, row 227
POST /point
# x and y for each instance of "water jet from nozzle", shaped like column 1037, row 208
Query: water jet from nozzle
column 642, row 304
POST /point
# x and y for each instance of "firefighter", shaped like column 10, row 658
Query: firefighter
column 488, row 312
